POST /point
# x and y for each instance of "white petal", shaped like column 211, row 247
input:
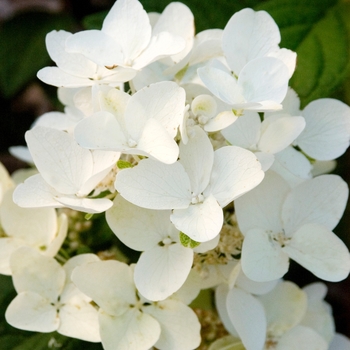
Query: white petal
column 109, row 283
column 289, row 58
column 87, row 205
column 262, row 206
column 245, row 132
column 302, row 338
column 292, row 165
column 340, row 341
column 266, row 160
column 61, row 235
column 155, row 185
column 32, row 312
column 100, row 131
column 197, row 157
column 263, row 259
column 201, row 222
column 71, row 63
column 248, row 35
column 161, row 45
column 235, row 172
column 61, row 161
column 57, row 77
column 285, row 307
column 222, row 85
column 131, row 330
column 326, row 135
column 7, row 246
column 320, row 251
column 79, row 319
column 180, row 328
column 97, row 47
column 248, row 317
column 221, row 293
column 34, row 272
column 164, row 101
column 321, row 200
column 127, row 22
column 280, row 133
column 156, row 142
column 162, row 270
column 35, row 193
column 221, row 121
column 37, row 227
column 264, row 79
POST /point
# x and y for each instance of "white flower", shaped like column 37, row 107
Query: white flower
column 68, row 173
column 73, row 69
column 127, row 320
column 166, row 262
column 265, row 138
column 197, row 187
column 111, row 47
column 38, row 228
column 281, row 223
column 143, row 124
column 47, row 300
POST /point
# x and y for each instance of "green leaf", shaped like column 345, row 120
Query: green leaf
column 319, row 31
column 123, row 164
column 187, row 241
column 23, row 51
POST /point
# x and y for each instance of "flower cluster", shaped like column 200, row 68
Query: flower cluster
column 163, row 129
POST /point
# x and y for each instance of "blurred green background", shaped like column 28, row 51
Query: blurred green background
column 318, row 30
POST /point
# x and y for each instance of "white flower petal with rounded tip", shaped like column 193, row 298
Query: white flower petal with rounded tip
column 79, row 319
column 248, row 35
column 201, row 222
column 161, row 45
column 197, row 157
column 7, row 246
column 154, row 185
column 74, row 64
column 280, row 133
column 87, row 205
column 96, row 46
column 320, row 251
column 222, row 85
column 221, row 121
column 164, row 101
column 138, row 228
column 100, row 131
column 339, row 341
column 156, row 142
column 264, row 79
column 56, row 243
column 245, row 132
column 246, row 314
column 56, row 77
column 262, row 258
column 302, row 338
column 37, row 227
column 60, row 160
column 131, row 330
column 109, row 283
column 221, row 293
column 36, row 193
column 31, row 271
column 289, row 58
column 189, row 290
column 321, row 200
column 235, row 172
column 177, row 19
column 266, row 160
column 261, row 207
column 162, row 270
column 292, row 165
column 327, row 132
column 128, row 24
column 32, row 312
column 180, row 328
column 285, row 307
